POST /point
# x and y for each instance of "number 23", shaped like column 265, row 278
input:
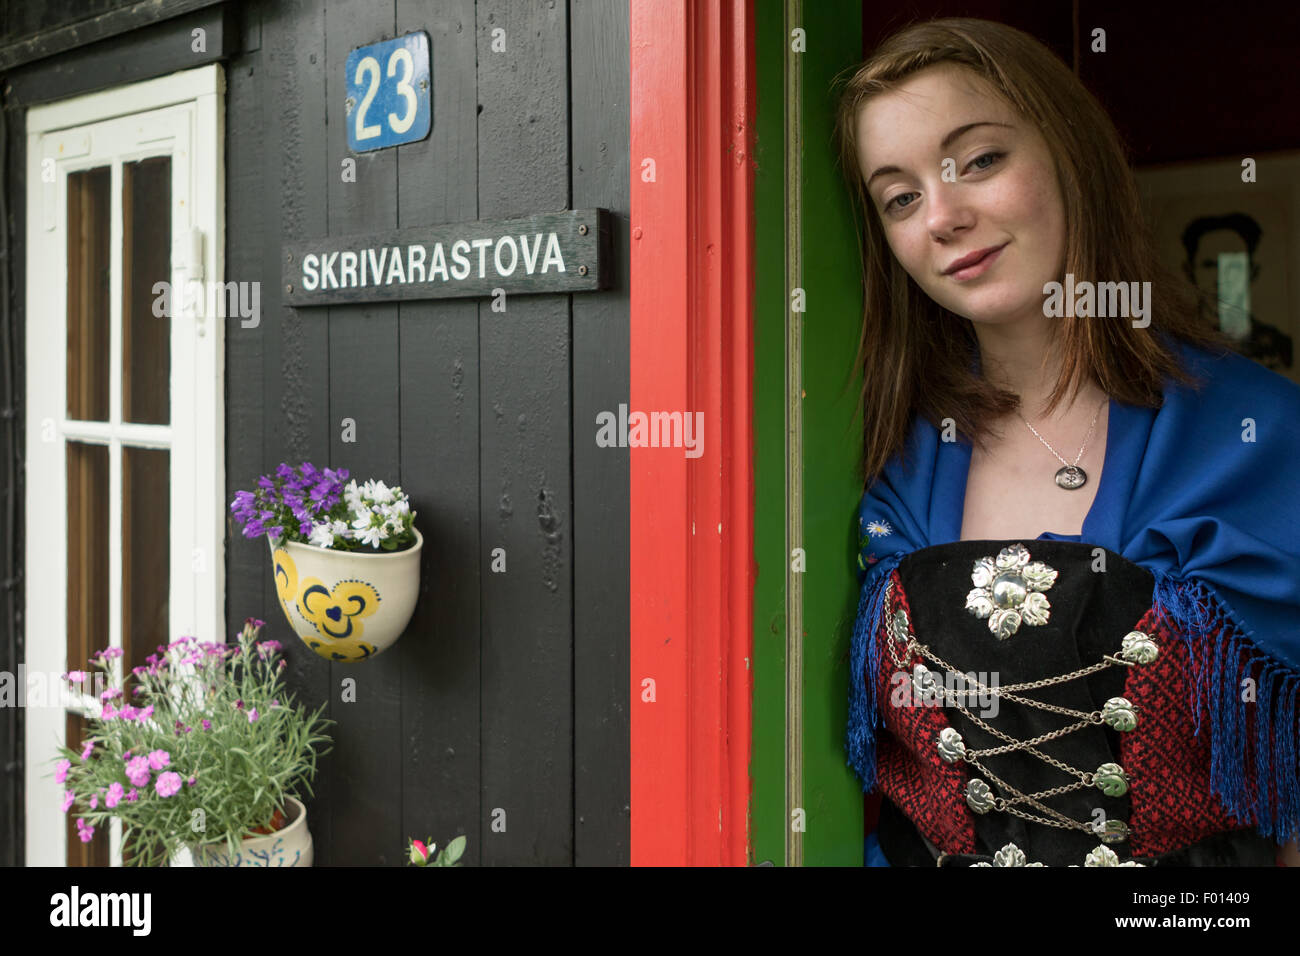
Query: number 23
column 370, row 66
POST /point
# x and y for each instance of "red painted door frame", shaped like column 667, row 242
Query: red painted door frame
column 692, row 564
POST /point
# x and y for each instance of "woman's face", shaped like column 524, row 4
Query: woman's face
column 1001, row 193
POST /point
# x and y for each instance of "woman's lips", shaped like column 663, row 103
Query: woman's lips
column 977, row 268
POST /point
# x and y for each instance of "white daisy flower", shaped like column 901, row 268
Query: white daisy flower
column 879, row 529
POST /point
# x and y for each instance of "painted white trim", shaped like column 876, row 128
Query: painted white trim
column 180, row 116
column 183, row 87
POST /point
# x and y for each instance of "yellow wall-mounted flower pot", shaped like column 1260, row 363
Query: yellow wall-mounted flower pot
column 347, row 605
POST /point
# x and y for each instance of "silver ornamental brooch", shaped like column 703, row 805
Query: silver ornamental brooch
column 1139, row 648
column 1012, row 855
column 1009, row 591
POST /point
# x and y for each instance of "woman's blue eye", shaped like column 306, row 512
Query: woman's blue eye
column 993, row 155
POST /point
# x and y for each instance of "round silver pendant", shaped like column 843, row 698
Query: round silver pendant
column 1071, row 477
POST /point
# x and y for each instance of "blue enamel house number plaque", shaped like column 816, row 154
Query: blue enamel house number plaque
column 389, row 93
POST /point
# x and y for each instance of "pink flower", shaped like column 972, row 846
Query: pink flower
column 137, row 771
column 190, row 782
column 168, row 784
column 159, row 759
column 85, row 831
column 146, row 713
column 114, row 795
column 132, row 795
column 275, row 703
column 75, row 677
column 253, row 715
column 61, row 770
column 129, row 713
column 87, row 750
column 111, row 694
column 68, row 799
column 94, row 801
column 108, row 713
column 419, row 853
column 112, row 653
column 207, row 724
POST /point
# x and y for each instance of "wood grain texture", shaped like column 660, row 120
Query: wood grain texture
column 599, row 90
column 525, row 440
column 439, row 425
column 363, row 387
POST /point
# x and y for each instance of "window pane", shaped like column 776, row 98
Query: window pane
column 88, row 285
column 146, row 260
column 146, row 496
column 87, row 551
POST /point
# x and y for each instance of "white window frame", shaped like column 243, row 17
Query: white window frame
column 181, row 116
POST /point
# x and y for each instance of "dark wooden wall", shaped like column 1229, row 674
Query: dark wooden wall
column 507, row 696
column 1221, row 77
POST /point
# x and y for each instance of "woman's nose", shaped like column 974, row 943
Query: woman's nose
column 947, row 209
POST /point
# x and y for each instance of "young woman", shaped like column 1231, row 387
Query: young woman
column 1078, row 641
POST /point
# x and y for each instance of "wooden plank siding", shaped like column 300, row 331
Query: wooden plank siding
column 509, row 690
column 482, row 416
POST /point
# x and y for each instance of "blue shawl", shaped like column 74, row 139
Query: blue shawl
column 1200, row 493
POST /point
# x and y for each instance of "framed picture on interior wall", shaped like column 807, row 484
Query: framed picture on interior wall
column 1238, row 241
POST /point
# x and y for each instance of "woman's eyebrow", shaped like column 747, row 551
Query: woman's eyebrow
column 947, row 141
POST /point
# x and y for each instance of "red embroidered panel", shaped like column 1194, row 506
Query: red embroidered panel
column 909, row 770
column 1167, row 762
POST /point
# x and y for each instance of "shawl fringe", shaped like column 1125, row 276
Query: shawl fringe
column 1257, row 776
column 864, row 665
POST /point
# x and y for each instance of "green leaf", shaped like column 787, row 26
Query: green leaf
column 455, row 849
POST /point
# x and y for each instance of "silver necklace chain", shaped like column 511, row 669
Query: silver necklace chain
column 1082, row 449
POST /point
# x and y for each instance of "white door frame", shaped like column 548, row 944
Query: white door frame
column 181, row 116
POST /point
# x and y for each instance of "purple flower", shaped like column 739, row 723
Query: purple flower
column 168, row 784
column 68, row 799
column 207, row 724
column 253, row 715
column 132, row 795
column 85, row 832
column 114, row 795
column 87, row 750
column 159, row 759
column 190, row 781
column 137, row 771
column 61, row 770
column 239, row 704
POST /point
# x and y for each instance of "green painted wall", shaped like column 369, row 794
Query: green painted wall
column 832, row 441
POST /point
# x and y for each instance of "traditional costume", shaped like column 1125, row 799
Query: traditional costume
column 1122, row 696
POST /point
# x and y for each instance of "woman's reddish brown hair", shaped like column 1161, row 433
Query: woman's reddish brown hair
column 916, row 356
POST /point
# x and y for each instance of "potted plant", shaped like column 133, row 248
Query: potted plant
column 206, row 762
column 346, row 557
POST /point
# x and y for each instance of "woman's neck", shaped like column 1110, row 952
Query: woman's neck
column 1024, row 358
